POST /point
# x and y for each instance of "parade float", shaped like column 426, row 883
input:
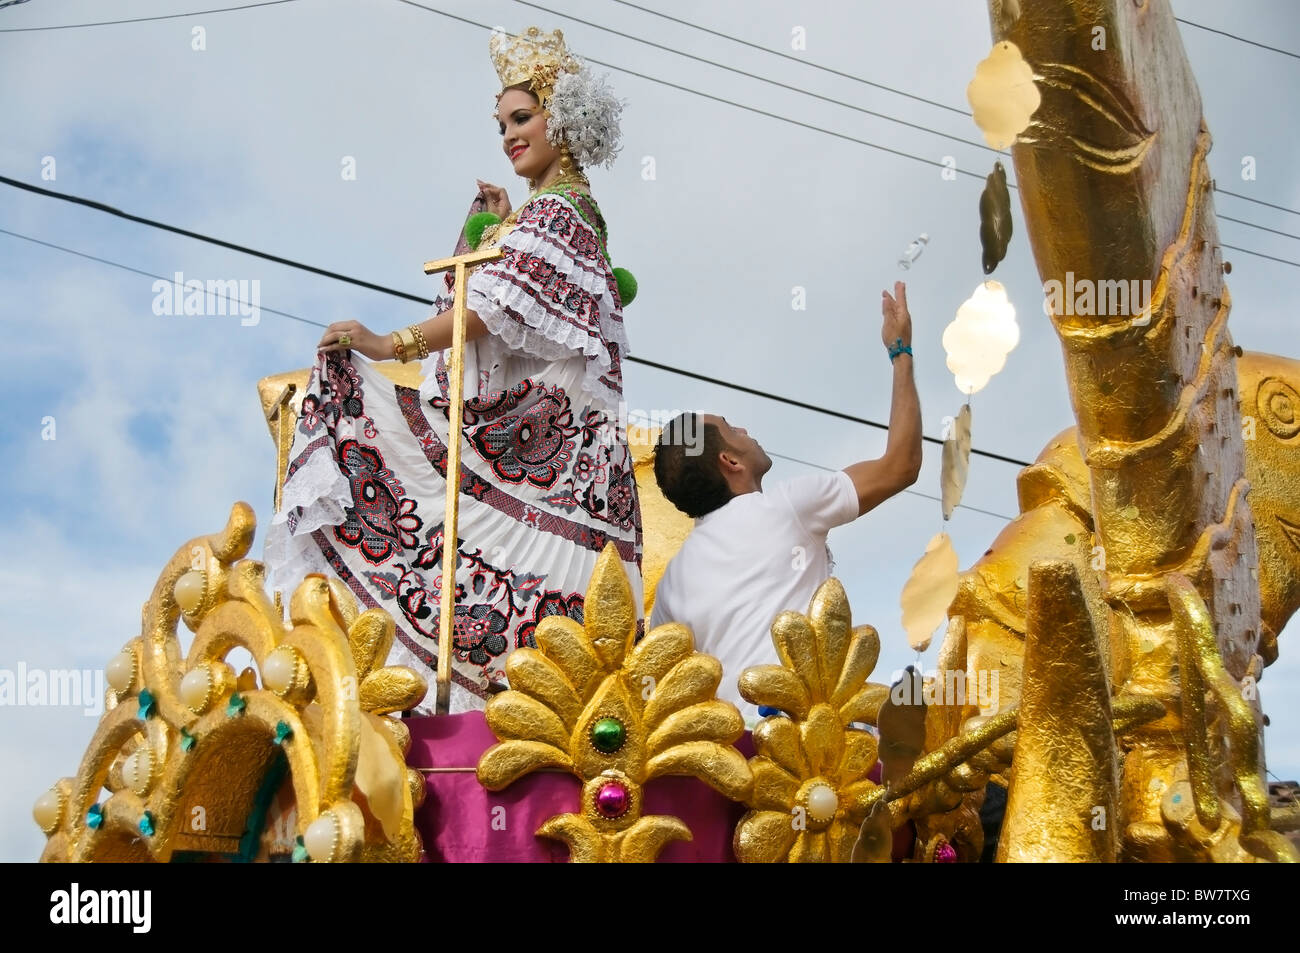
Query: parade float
column 1129, row 610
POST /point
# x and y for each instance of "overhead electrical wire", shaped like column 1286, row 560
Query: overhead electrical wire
column 761, row 79
column 167, row 16
column 1240, row 39
column 728, row 102
column 928, row 496
column 317, row 324
column 797, row 59
column 371, row 286
column 810, row 126
column 325, row 272
column 818, row 66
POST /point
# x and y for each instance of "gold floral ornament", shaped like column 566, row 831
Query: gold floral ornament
column 589, row 701
column 197, row 760
column 811, row 791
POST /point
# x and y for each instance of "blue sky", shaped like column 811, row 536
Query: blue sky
column 159, row 429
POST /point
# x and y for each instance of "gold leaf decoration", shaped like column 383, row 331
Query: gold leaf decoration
column 380, row 774
column 956, row 462
column 163, row 754
column 811, row 793
column 1114, row 140
column 929, row 591
column 902, row 727
column 616, row 713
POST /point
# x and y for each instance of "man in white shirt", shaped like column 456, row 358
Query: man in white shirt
column 756, row 551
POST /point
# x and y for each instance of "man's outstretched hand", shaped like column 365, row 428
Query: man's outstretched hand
column 898, row 322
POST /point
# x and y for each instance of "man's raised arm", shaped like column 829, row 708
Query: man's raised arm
column 878, row 480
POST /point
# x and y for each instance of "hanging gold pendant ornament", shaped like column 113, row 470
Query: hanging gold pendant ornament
column 995, row 218
column 1003, row 95
column 956, row 462
column 929, row 591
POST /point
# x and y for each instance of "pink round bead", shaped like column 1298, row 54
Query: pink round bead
column 945, row 854
column 612, row 800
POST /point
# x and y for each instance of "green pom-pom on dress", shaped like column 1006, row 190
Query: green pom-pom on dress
column 475, row 226
column 626, row 285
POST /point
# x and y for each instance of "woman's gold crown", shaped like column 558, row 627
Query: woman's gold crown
column 531, row 57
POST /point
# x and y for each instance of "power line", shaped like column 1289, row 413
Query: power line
column 805, row 406
column 317, row 324
column 927, row 496
column 1259, row 254
column 761, row 79
column 1262, row 228
column 900, row 92
column 796, row 59
column 726, row 102
column 101, row 207
column 1247, row 198
column 401, row 294
column 147, row 274
column 169, row 16
column 244, row 249
column 1242, row 39
column 804, row 125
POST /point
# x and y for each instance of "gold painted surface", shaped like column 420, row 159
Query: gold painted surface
column 1203, row 674
column 1153, row 383
column 660, row 690
column 822, row 686
column 665, row 526
column 1270, row 408
column 1064, row 796
column 208, row 763
column 455, row 365
column 1055, row 506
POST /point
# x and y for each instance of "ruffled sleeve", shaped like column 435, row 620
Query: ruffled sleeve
column 552, row 294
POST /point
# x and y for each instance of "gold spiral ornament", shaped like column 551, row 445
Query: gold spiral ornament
column 1279, row 407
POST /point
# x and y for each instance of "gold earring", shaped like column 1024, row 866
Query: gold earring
column 566, row 161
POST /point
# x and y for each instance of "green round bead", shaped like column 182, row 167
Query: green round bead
column 608, row 735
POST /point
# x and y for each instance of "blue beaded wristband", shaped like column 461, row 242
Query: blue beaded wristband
column 899, row 348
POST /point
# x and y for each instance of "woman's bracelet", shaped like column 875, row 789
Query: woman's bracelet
column 421, row 347
column 899, row 348
column 409, row 344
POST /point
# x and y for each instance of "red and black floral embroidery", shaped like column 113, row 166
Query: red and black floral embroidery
column 336, row 396
column 535, row 445
column 540, row 280
column 379, row 522
column 562, row 222
column 551, row 602
column 624, row 508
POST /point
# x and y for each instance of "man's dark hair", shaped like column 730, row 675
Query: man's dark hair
column 686, row 465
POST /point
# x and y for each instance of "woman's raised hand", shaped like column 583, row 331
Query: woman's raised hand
column 355, row 336
column 498, row 203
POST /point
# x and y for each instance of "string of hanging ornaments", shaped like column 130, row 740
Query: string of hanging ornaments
column 1003, row 98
